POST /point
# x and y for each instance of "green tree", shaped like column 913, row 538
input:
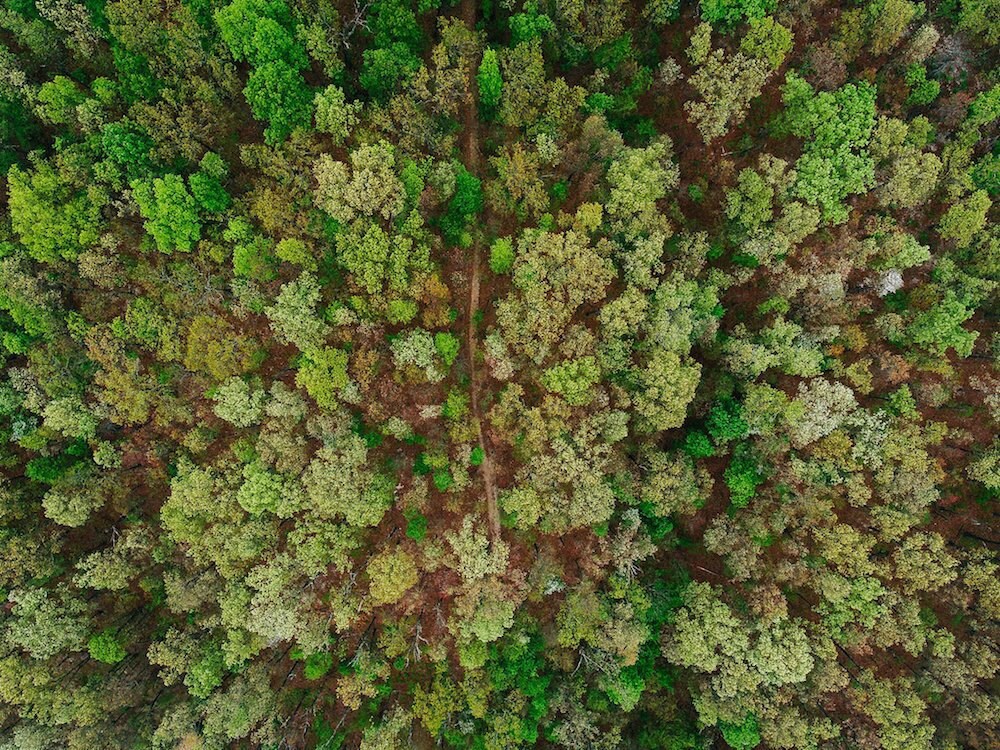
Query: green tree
column 240, row 21
column 43, row 623
column 323, row 374
column 170, row 211
column 317, row 665
column 294, row 317
column 835, row 162
column 337, row 483
column 262, row 491
column 278, row 94
column 725, row 422
column 386, row 69
column 258, row 31
column 206, row 185
column 922, row 89
column 502, row 255
column 128, row 145
column 391, row 574
column 574, row 380
column 965, row 219
column 666, row 386
column 742, row 736
column 743, row 476
column 447, row 346
column 530, row 24
column 465, row 202
column 728, row 13
column 53, row 220
column 335, row 115
column 888, row 21
column 205, row 674
column 490, row 82
column 104, row 647
column 239, row 403
column 980, row 18
column 58, row 100
column 940, row 328
column 768, row 40
column 697, row 445
column 215, row 348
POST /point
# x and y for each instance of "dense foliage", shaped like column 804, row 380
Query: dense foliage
column 484, row 375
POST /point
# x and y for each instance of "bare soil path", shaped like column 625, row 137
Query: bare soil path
column 470, row 154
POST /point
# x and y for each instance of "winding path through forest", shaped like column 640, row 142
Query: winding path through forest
column 470, row 153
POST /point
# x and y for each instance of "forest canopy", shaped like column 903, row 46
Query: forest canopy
column 599, row 375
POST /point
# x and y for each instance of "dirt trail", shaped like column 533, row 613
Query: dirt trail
column 470, row 154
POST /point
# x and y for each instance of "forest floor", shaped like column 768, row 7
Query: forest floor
column 470, row 154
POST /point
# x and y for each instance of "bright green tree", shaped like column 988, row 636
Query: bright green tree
column 104, row 647
column 490, row 82
column 52, row 219
column 170, row 211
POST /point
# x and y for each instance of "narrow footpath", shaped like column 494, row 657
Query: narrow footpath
column 470, row 153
